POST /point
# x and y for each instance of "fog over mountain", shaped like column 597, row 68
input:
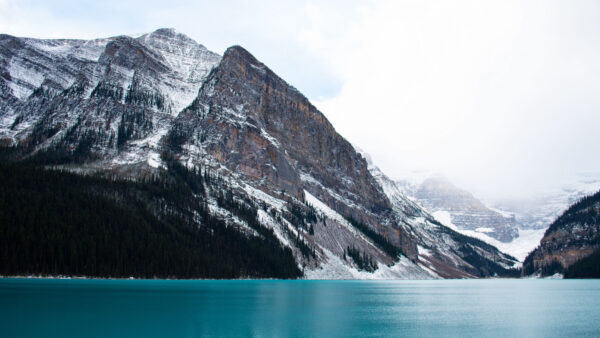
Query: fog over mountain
column 499, row 97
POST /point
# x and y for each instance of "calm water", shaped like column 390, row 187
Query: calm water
column 465, row 308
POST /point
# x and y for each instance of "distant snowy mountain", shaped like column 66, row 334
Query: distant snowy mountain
column 161, row 106
column 513, row 226
column 457, row 207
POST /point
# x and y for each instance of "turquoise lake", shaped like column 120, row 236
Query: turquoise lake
column 159, row 308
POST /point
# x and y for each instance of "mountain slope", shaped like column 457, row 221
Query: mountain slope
column 515, row 226
column 440, row 248
column 456, row 206
column 161, row 105
column 120, row 94
column 57, row 223
column 571, row 238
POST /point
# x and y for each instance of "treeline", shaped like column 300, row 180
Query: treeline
column 581, row 213
column 247, row 214
column 362, row 260
column 483, row 267
column 110, row 90
column 305, row 249
column 197, row 180
column 588, row 267
column 145, row 98
column 547, row 269
column 303, row 217
column 381, row 242
column 58, row 223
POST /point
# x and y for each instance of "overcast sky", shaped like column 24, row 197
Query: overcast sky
column 502, row 97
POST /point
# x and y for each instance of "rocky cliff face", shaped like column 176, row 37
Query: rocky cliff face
column 113, row 93
column 135, row 106
column 572, row 237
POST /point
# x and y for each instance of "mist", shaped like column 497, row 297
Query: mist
column 501, row 97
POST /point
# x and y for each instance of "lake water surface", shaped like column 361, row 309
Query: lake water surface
column 158, row 308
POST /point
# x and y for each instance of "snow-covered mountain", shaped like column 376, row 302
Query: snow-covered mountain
column 450, row 203
column 139, row 107
column 69, row 82
column 515, row 226
column 461, row 211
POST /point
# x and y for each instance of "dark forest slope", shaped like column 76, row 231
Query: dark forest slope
column 571, row 243
column 58, row 223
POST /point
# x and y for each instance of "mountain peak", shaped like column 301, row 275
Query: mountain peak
column 166, row 31
column 239, row 53
column 168, row 34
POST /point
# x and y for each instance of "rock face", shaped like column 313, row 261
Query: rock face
column 111, row 93
column 244, row 106
column 572, row 237
column 134, row 106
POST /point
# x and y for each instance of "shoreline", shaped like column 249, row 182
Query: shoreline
column 40, row 277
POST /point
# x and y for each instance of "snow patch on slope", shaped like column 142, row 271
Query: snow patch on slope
column 324, row 209
column 518, row 248
column 332, row 214
column 335, row 268
column 263, row 196
column 265, row 219
column 25, row 79
column 311, row 180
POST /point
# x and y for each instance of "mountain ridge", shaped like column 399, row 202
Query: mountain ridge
column 270, row 148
